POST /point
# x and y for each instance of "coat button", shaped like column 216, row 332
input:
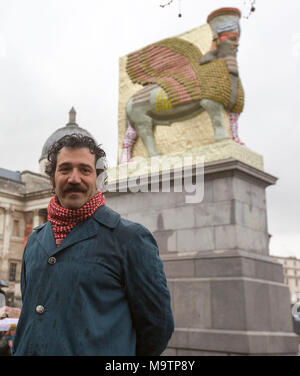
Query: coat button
column 39, row 309
column 51, row 260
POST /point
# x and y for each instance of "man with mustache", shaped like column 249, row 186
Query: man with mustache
column 92, row 282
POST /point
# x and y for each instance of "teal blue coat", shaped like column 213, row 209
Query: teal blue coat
column 103, row 292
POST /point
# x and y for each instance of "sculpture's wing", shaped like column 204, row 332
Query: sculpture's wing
column 172, row 63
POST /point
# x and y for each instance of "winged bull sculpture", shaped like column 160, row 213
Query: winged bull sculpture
column 180, row 82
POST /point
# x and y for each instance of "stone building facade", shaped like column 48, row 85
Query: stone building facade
column 291, row 270
column 24, row 198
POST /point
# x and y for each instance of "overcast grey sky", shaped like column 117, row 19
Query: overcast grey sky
column 55, row 54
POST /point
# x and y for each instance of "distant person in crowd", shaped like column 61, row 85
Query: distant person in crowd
column 6, row 341
column 10, row 336
column 92, row 282
column 4, row 346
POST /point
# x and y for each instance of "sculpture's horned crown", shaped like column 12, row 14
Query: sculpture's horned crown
column 223, row 20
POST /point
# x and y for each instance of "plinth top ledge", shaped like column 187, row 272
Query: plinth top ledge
column 223, row 155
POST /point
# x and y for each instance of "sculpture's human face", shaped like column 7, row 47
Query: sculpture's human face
column 75, row 177
column 234, row 40
column 231, row 38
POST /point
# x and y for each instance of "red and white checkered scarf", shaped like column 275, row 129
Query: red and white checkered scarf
column 63, row 220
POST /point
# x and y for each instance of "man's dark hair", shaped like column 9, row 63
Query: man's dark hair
column 75, row 140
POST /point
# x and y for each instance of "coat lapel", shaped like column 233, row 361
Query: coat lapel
column 46, row 238
column 83, row 230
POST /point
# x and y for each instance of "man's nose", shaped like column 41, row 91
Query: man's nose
column 74, row 177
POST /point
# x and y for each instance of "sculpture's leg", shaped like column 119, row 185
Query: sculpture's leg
column 215, row 111
column 128, row 142
column 137, row 110
column 144, row 129
column 234, row 127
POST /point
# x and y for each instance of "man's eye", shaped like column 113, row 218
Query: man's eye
column 86, row 170
column 64, row 169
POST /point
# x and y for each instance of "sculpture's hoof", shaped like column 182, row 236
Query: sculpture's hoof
column 219, row 139
column 155, row 155
column 238, row 141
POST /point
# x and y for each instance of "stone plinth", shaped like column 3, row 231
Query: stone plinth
column 228, row 294
column 217, row 151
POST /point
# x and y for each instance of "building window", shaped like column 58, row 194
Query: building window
column 12, row 272
column 16, row 228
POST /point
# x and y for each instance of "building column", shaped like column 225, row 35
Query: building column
column 28, row 225
column 6, row 243
column 36, row 218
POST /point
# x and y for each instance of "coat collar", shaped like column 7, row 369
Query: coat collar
column 82, row 231
column 107, row 217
